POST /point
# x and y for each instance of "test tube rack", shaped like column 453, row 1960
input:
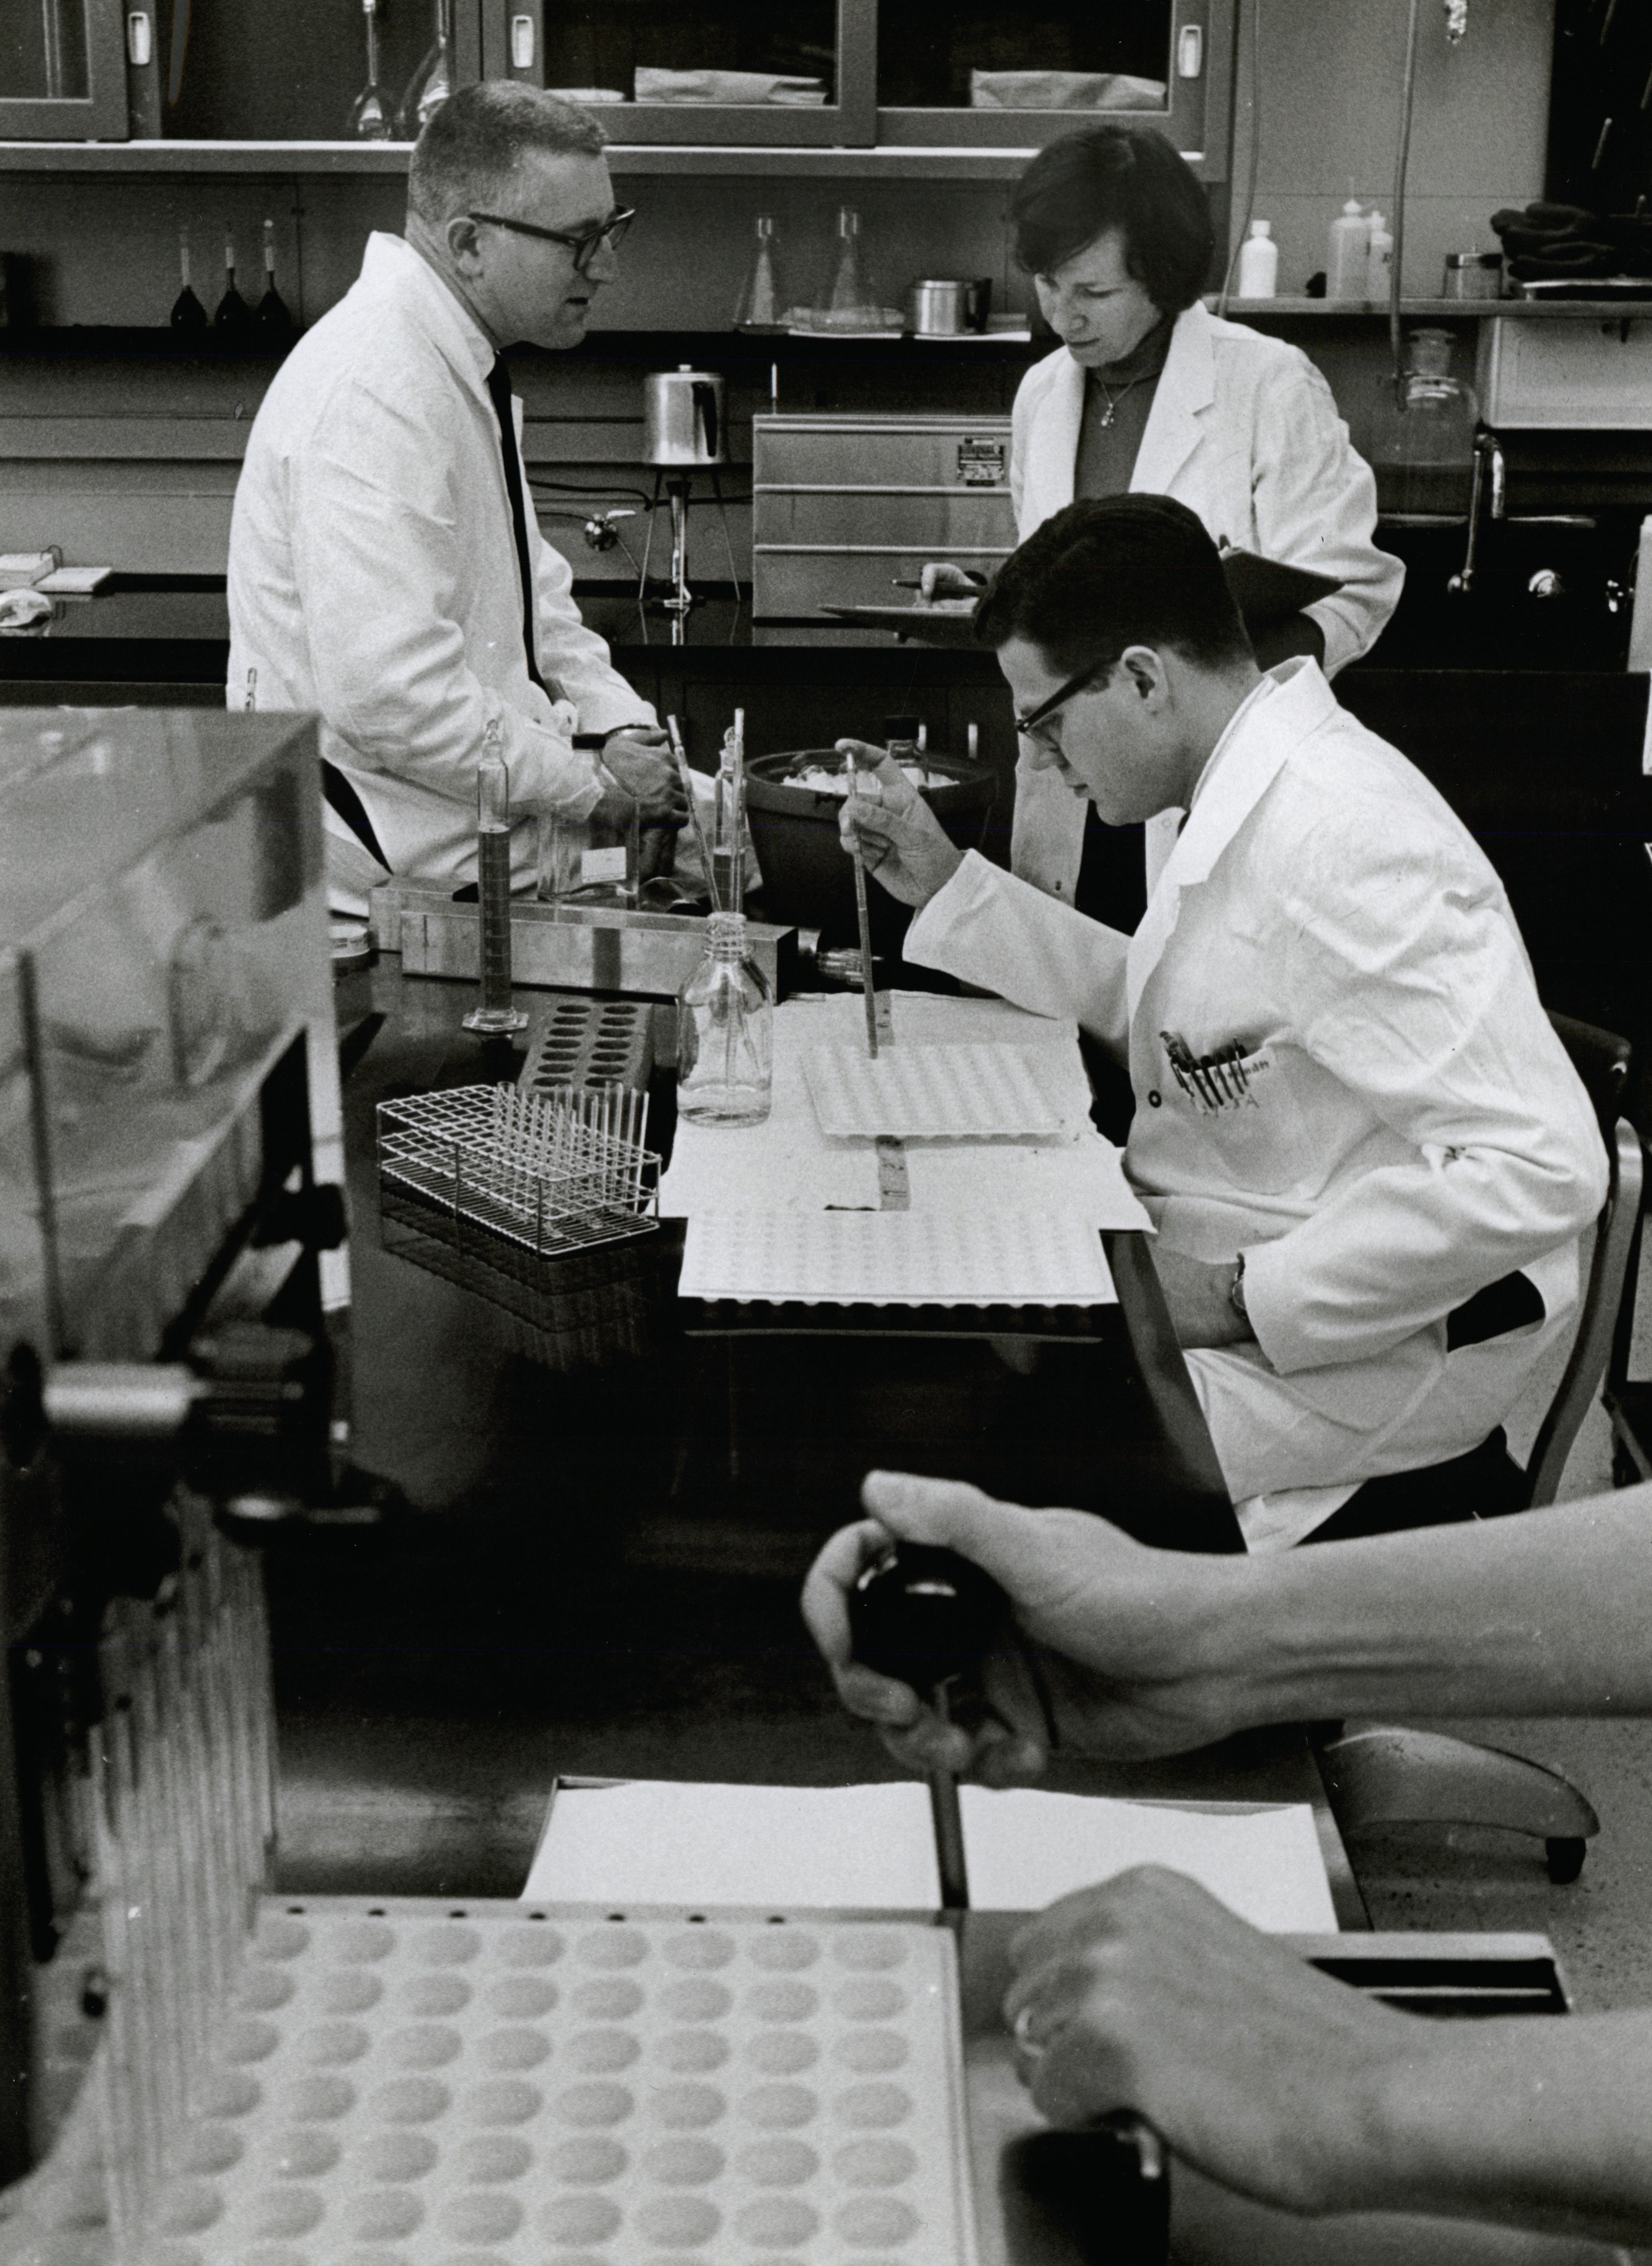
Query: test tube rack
column 544, row 1204
column 590, row 1042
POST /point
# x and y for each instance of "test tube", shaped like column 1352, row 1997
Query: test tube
column 493, row 1012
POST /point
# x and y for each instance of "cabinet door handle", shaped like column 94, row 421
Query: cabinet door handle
column 140, row 39
column 522, row 43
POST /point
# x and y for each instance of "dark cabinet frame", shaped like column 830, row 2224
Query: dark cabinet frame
column 98, row 115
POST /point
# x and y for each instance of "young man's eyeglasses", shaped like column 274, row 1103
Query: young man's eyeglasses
column 584, row 246
column 1035, row 725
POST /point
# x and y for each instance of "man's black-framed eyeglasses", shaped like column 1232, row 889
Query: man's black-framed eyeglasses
column 584, row 246
column 1030, row 725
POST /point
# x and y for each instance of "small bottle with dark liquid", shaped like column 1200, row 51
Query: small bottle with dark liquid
column 188, row 313
column 232, row 317
column 276, row 324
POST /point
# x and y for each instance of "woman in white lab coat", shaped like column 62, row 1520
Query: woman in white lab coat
column 1150, row 392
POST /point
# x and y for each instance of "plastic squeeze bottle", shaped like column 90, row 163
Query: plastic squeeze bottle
column 1379, row 264
column 1348, row 267
column 1259, row 263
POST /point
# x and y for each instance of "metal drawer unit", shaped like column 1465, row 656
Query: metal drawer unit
column 844, row 506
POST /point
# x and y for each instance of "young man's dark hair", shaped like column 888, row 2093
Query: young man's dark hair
column 1104, row 575
column 1123, row 178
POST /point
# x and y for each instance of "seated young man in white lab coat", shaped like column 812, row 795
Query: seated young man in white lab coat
column 386, row 568
column 1367, row 1156
column 1282, row 2088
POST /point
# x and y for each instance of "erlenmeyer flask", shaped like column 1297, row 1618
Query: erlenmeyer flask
column 760, row 302
column 370, row 114
column 845, row 304
column 432, row 83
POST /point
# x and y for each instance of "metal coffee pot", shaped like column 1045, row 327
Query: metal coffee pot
column 682, row 417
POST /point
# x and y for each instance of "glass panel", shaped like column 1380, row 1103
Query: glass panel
column 43, row 51
column 726, row 51
column 1025, row 55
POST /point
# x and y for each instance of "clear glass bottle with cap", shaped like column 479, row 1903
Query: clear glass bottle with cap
column 725, row 1032
column 1421, row 435
column 760, row 302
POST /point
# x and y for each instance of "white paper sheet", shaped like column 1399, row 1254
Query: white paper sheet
column 660, row 1841
column 1024, row 1848
column 657, row 1842
column 787, row 1163
column 895, row 1258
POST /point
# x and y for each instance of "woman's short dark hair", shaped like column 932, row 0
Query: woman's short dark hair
column 1105, row 574
column 1127, row 177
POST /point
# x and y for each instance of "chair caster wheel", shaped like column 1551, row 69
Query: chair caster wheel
column 1565, row 1858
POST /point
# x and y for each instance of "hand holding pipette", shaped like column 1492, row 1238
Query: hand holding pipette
column 886, row 821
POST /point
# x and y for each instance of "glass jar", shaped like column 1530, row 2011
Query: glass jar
column 725, row 1036
column 1423, row 435
column 590, row 861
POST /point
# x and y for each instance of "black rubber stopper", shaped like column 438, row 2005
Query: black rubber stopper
column 924, row 1615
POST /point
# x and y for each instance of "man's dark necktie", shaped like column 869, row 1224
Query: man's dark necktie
column 499, row 393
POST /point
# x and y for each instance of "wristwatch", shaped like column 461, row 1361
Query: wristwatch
column 1236, row 1290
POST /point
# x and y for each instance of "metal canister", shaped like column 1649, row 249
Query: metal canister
column 937, row 309
column 1473, row 275
column 682, row 417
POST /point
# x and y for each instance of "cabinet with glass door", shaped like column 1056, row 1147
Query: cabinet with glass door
column 741, row 71
column 227, row 70
column 958, row 74
column 1020, row 72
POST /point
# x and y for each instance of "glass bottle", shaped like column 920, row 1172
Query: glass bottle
column 760, row 303
column 1421, row 437
column 274, row 323
column 590, row 861
column 187, row 313
column 370, row 114
column 432, row 83
column 725, row 1032
column 232, row 315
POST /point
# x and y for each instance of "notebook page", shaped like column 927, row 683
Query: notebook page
column 1024, row 1848
column 657, row 1841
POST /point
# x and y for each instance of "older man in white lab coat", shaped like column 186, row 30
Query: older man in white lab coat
column 1352, row 1117
column 385, row 565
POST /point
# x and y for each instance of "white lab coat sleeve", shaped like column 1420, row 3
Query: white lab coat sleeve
column 987, row 928
column 377, row 567
column 1407, row 980
column 1314, row 501
column 574, row 657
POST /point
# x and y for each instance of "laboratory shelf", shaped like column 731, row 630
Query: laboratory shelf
column 1412, row 310
column 890, row 162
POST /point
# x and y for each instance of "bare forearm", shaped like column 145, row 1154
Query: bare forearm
column 1530, row 2123
column 1542, row 1614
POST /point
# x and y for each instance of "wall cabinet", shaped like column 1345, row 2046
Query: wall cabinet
column 62, row 70
column 950, row 75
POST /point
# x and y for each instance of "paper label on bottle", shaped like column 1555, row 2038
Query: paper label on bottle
column 603, row 865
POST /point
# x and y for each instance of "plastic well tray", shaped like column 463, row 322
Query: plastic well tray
column 973, row 1092
column 497, row 2084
